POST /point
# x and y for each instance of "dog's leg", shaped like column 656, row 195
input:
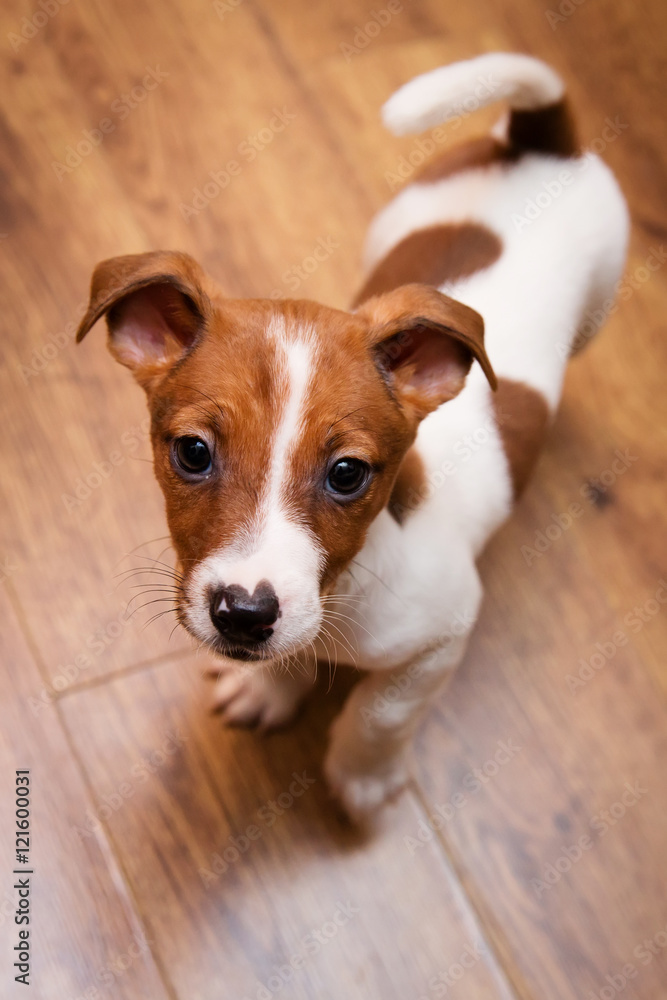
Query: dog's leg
column 366, row 763
column 268, row 697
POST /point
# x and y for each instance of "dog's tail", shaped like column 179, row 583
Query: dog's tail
column 540, row 118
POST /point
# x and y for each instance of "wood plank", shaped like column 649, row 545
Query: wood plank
column 351, row 96
column 320, row 180
column 554, row 667
column 614, row 64
column 270, row 213
column 610, row 457
column 287, row 868
column 121, row 198
column 612, row 561
column 78, row 443
column 590, row 923
column 85, row 936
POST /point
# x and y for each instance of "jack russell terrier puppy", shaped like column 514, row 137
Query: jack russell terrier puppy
column 321, row 499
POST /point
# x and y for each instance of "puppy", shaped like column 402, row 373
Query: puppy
column 331, row 477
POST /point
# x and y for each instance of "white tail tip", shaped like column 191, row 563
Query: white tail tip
column 464, row 87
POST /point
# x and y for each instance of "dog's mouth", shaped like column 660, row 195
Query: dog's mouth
column 246, row 652
column 240, row 653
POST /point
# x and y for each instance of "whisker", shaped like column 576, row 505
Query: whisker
column 161, row 563
column 137, row 570
column 152, row 559
column 348, row 598
column 378, row 578
column 327, row 635
column 358, row 609
column 364, row 406
column 157, row 600
column 158, row 586
column 338, row 614
column 287, row 663
column 315, row 661
column 351, row 597
column 210, row 399
column 332, row 672
column 137, row 597
column 155, row 618
column 151, row 541
column 343, row 640
column 351, row 574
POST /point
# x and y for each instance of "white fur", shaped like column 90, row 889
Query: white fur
column 276, row 548
column 406, row 609
column 287, row 555
column 415, row 590
column 297, row 362
column 449, row 91
column 533, row 298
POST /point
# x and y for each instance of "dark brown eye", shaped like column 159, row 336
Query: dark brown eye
column 192, row 455
column 347, row 477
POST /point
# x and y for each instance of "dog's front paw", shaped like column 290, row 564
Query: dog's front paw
column 363, row 793
column 255, row 696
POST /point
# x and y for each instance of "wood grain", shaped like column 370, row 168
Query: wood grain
column 85, row 933
column 569, row 660
column 252, row 894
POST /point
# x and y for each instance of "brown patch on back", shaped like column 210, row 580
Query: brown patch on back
column 545, row 130
column 522, row 416
column 406, row 494
column 482, row 152
column 433, row 256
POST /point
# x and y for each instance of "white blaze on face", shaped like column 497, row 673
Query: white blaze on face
column 276, row 548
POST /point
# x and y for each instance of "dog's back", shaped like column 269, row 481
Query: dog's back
column 529, row 230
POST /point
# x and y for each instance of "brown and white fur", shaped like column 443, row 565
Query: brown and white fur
column 280, row 391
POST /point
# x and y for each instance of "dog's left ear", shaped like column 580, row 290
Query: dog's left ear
column 156, row 307
column 425, row 343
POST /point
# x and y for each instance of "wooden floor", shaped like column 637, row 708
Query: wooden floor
column 171, row 859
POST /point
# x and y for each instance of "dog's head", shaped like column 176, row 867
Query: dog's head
column 278, row 428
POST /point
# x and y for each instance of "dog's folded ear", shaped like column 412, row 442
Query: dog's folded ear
column 424, row 344
column 155, row 305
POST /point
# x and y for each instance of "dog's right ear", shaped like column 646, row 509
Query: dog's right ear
column 156, row 307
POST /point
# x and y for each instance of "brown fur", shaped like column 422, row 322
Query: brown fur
column 446, row 253
column 165, row 282
column 545, row 130
column 481, row 152
column 409, row 481
column 522, row 416
column 433, row 256
column 410, row 306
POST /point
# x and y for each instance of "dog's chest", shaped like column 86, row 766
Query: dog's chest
column 414, row 581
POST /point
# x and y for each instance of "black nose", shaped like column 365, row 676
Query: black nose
column 244, row 617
